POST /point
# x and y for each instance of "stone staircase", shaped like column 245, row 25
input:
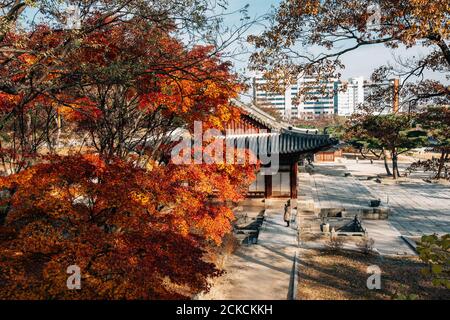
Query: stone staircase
column 307, row 215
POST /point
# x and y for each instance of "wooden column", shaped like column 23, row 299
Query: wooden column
column 268, row 186
column 293, row 176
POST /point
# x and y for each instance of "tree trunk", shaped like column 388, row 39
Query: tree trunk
column 441, row 164
column 395, row 163
column 7, row 193
column 446, row 176
column 386, row 165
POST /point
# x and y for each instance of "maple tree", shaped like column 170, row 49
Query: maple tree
column 310, row 37
column 142, row 91
column 88, row 118
column 41, row 76
column 134, row 232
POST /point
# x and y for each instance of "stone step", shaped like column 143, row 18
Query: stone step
column 307, row 205
column 252, row 202
column 307, row 213
column 309, row 225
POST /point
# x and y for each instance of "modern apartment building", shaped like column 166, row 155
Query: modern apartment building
column 350, row 95
column 315, row 99
column 280, row 102
column 319, row 98
column 339, row 97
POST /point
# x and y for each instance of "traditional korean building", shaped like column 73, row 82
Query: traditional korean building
column 264, row 135
column 328, row 155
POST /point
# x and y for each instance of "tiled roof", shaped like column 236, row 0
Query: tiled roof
column 284, row 139
column 280, row 143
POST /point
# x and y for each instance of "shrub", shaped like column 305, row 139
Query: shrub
column 435, row 251
column 366, row 245
column 335, row 243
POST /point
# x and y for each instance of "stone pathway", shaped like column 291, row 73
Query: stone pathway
column 329, row 188
column 263, row 271
column 417, row 207
column 387, row 238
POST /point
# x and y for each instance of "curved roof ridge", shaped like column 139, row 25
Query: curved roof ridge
column 263, row 117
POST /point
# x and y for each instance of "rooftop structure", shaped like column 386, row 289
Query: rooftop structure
column 262, row 134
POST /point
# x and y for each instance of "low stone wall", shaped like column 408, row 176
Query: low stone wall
column 379, row 213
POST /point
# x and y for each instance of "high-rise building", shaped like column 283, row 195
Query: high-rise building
column 350, row 95
column 307, row 98
column 278, row 101
column 315, row 99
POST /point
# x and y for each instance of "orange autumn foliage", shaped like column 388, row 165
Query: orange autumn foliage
column 135, row 233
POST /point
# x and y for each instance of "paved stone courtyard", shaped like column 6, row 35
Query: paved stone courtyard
column 416, row 207
column 265, row 270
column 328, row 188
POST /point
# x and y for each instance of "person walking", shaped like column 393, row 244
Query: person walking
column 287, row 212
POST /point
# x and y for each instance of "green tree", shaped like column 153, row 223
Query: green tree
column 393, row 133
column 436, row 120
column 365, row 147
